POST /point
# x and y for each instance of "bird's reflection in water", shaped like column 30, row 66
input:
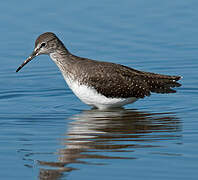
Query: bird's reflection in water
column 96, row 134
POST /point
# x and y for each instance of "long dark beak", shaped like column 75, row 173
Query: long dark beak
column 32, row 56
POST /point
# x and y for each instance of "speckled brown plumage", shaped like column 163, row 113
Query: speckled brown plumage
column 114, row 80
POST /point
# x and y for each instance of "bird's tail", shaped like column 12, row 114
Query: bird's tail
column 159, row 83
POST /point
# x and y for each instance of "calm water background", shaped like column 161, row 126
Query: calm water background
column 47, row 133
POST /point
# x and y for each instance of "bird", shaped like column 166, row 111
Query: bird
column 101, row 84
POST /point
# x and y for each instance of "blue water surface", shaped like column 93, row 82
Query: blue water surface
column 47, row 133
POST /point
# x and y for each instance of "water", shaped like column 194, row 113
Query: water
column 47, row 133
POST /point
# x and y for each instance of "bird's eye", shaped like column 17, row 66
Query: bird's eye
column 43, row 44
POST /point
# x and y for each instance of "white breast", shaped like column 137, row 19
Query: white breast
column 91, row 97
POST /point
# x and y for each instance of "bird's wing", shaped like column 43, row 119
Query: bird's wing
column 116, row 81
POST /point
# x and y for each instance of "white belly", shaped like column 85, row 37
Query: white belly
column 91, row 97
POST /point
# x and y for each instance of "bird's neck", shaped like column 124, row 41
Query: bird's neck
column 63, row 59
